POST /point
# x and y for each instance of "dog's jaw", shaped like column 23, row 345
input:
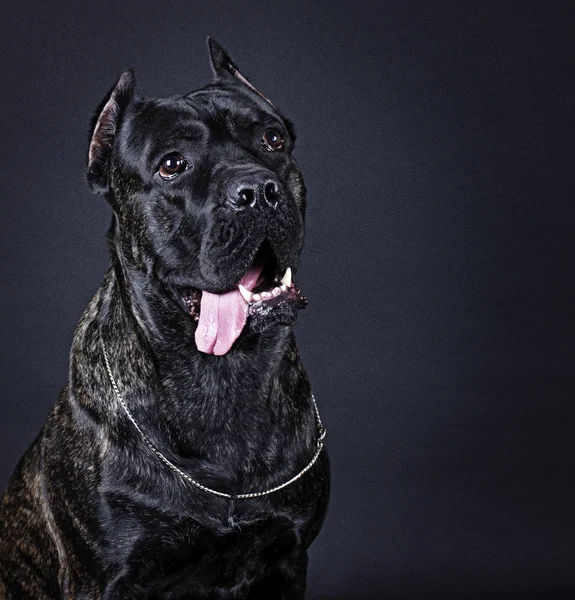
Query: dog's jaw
column 221, row 318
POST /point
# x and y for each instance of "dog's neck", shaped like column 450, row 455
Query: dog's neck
column 193, row 399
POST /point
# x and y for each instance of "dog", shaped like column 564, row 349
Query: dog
column 184, row 459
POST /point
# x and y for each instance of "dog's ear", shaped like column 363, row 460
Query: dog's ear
column 225, row 68
column 105, row 126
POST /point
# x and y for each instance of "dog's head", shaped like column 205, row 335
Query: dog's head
column 208, row 200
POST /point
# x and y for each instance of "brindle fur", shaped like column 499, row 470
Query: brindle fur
column 90, row 512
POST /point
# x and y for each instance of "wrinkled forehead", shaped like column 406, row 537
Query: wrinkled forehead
column 235, row 101
column 199, row 117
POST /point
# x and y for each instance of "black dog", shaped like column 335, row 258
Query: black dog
column 184, row 458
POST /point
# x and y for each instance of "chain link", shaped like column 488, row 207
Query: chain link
column 173, row 467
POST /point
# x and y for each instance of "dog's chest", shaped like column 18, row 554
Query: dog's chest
column 169, row 556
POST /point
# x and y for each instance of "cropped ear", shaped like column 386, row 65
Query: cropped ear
column 225, row 68
column 105, row 127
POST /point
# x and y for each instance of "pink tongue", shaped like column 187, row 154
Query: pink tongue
column 223, row 316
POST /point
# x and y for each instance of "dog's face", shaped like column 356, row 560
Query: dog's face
column 209, row 200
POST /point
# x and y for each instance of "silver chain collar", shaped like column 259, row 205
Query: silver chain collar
column 173, row 467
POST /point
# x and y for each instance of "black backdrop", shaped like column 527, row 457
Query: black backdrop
column 438, row 144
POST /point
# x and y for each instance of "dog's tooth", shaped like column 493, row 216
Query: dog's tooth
column 283, row 287
column 286, row 279
column 256, row 297
column 266, row 295
column 276, row 292
column 247, row 295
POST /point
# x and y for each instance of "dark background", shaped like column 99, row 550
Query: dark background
column 437, row 140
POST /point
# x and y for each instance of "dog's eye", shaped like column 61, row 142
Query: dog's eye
column 272, row 140
column 172, row 165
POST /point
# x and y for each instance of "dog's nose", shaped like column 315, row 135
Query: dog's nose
column 251, row 189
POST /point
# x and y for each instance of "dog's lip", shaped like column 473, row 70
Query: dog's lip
column 192, row 300
column 265, row 299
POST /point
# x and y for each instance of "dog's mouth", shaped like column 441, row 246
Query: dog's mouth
column 262, row 297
